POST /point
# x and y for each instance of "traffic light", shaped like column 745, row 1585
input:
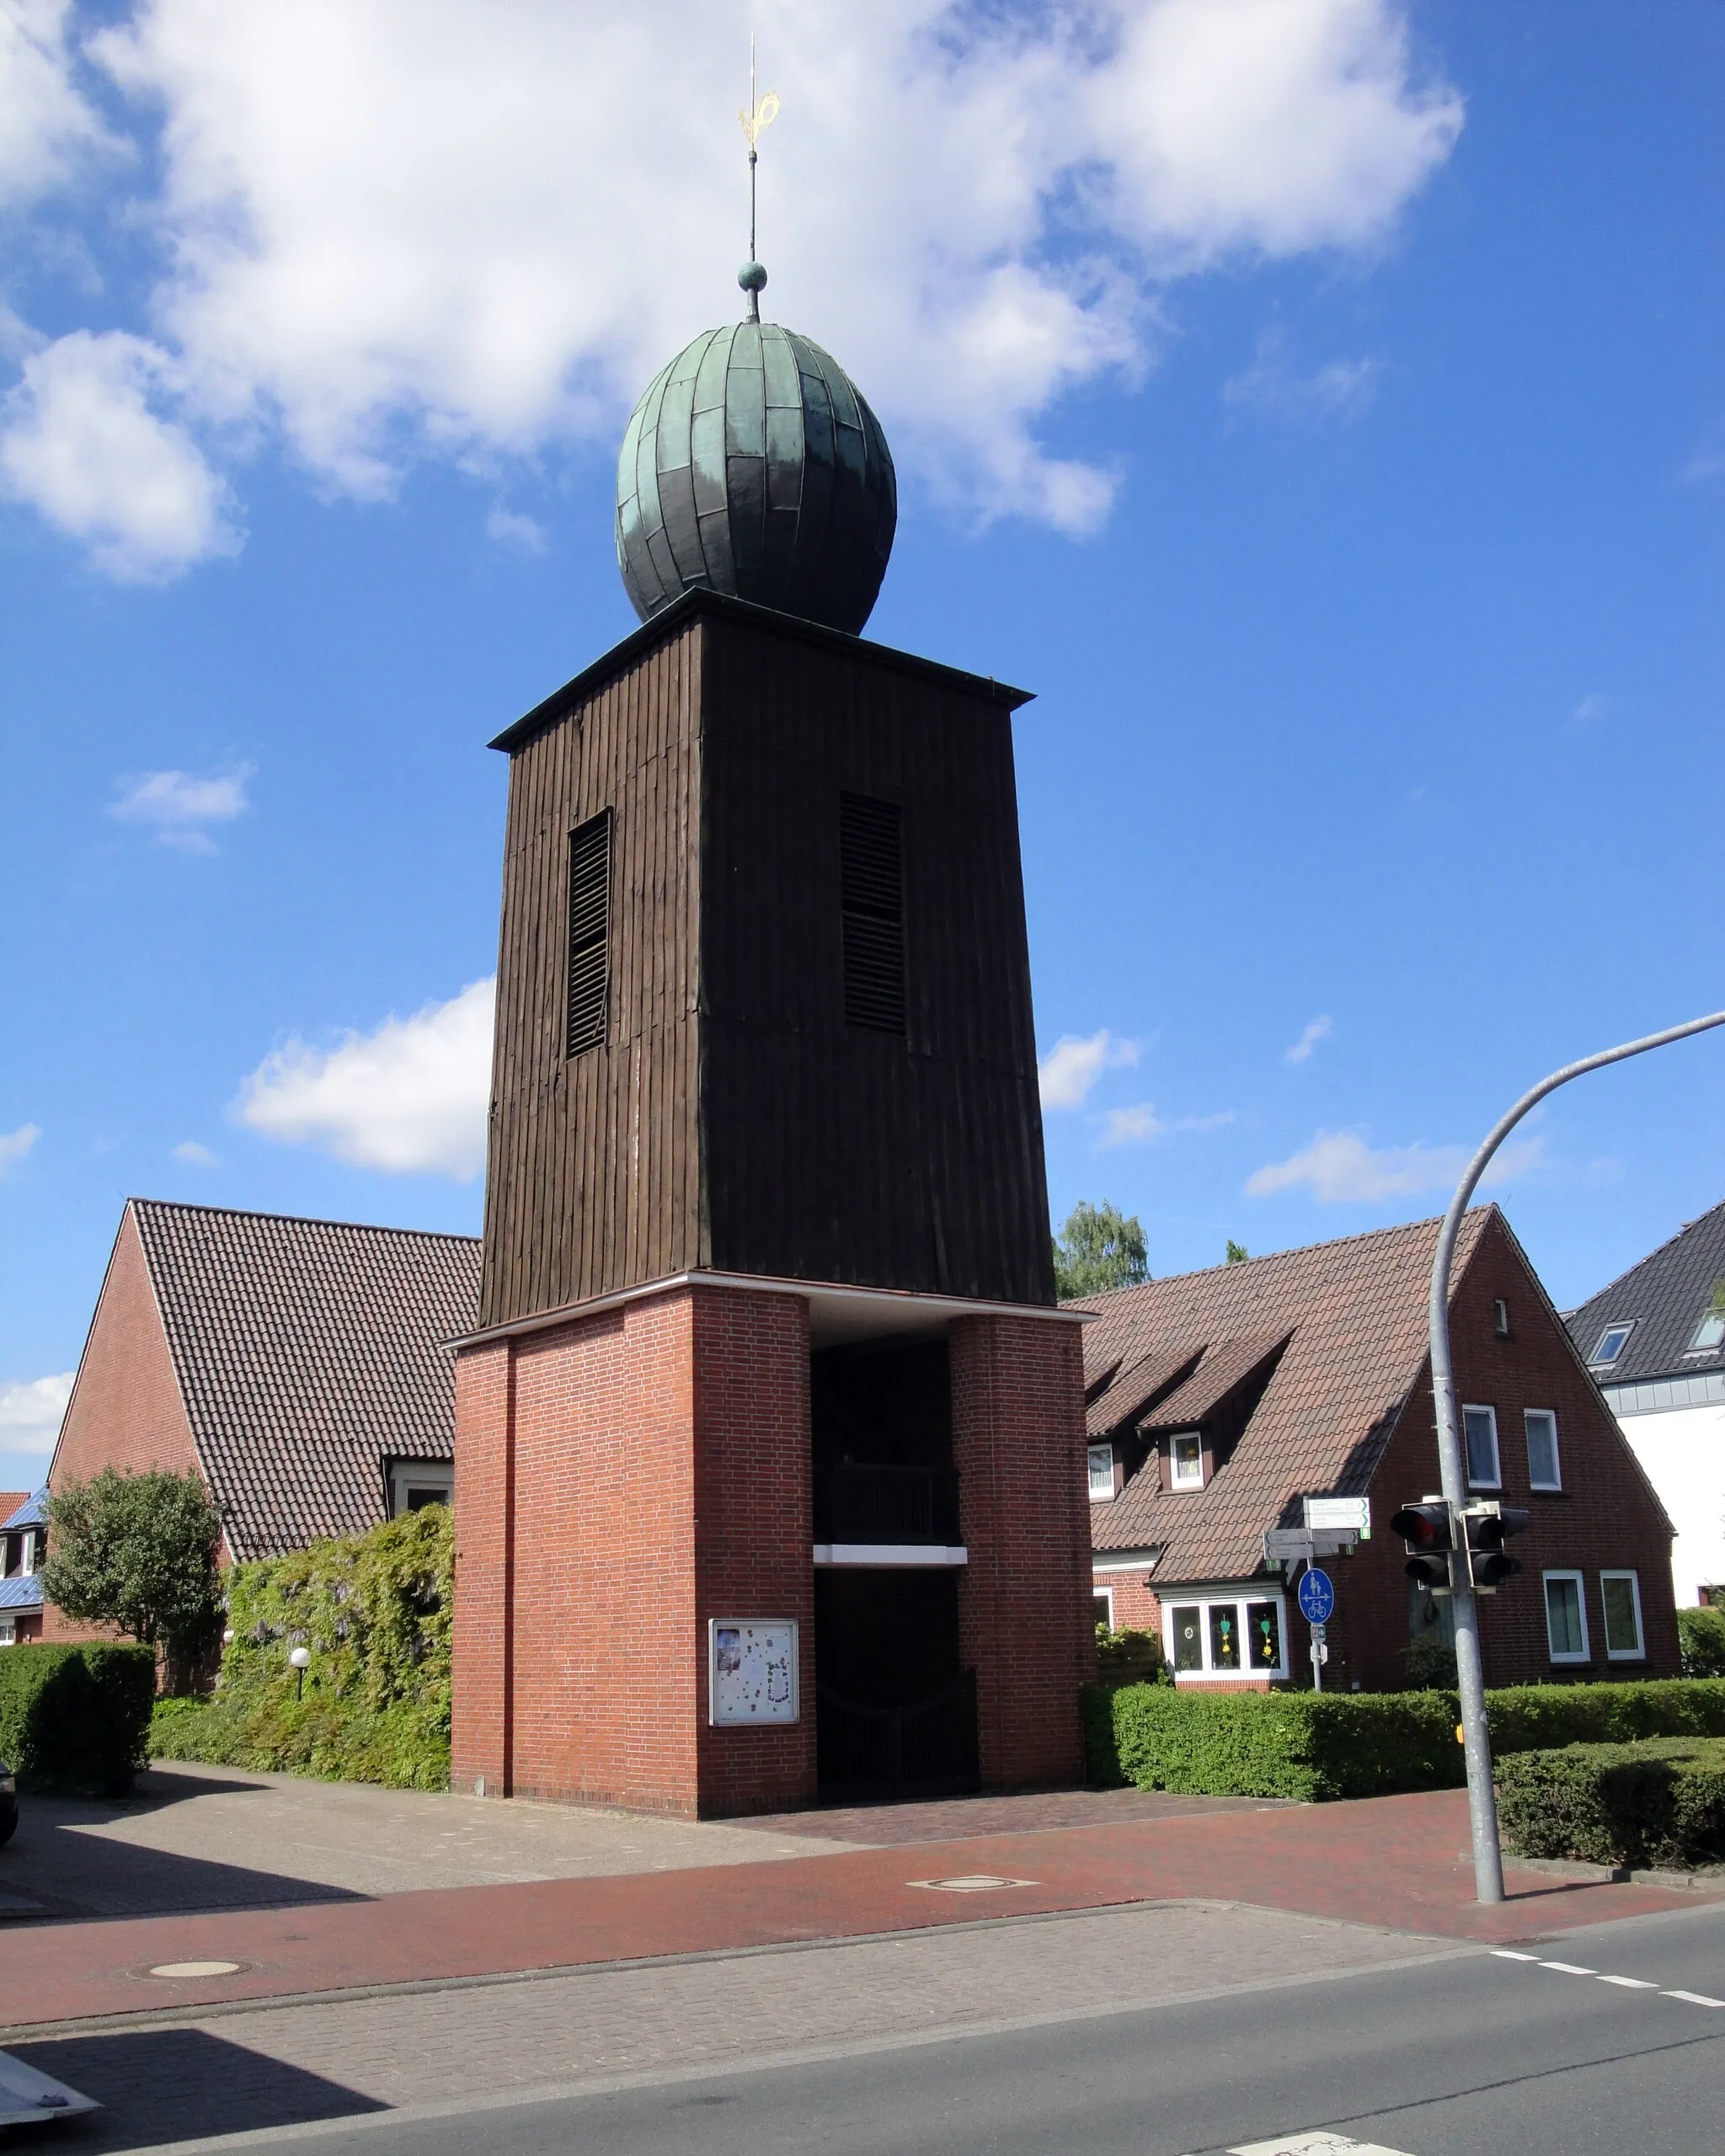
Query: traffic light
column 1488, row 1527
column 1427, row 1534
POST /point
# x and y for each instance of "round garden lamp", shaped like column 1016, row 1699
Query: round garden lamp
column 299, row 1661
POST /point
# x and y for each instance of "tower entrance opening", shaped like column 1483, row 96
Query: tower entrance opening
column 897, row 1710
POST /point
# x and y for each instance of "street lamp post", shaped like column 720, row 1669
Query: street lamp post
column 1481, row 1803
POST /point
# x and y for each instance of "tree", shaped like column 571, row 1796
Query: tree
column 1237, row 1252
column 138, row 1552
column 1099, row 1248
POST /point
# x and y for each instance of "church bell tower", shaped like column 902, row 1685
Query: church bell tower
column 770, row 1439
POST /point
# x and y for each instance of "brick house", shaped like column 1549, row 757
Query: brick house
column 1217, row 1400
column 23, row 1538
column 301, row 1367
column 1654, row 1340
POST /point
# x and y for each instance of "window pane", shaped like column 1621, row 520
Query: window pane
column 1224, row 1636
column 1104, row 1611
column 1482, row 1427
column 1623, row 1624
column 1710, row 1331
column 1263, row 1630
column 1611, row 1341
column 1102, row 1471
column 1563, row 1616
column 1543, row 1449
column 1188, row 1449
column 1189, row 1639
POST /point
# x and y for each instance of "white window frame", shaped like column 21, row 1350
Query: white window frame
column 1550, row 1414
column 1562, row 1572
column 1239, row 1599
column 1597, row 1361
column 1104, row 1594
column 1102, row 1457
column 419, row 1473
column 1639, row 1653
column 9, row 1631
column 1500, row 1317
column 1479, row 1481
column 1697, row 1346
column 1176, row 1481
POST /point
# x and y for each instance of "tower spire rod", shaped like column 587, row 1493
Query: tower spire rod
column 762, row 113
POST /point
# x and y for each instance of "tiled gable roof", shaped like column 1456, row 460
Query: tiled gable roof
column 308, row 1352
column 1354, row 1315
column 1664, row 1298
column 18, row 1508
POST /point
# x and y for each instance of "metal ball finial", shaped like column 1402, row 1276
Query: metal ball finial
column 752, row 277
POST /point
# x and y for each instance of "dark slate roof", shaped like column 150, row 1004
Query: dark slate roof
column 1352, row 1314
column 307, row 1353
column 1665, row 1297
column 23, row 1591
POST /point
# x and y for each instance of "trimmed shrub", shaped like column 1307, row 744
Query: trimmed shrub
column 1661, row 1801
column 1428, row 1666
column 1701, row 1633
column 1320, row 1745
column 1308, row 1745
column 74, row 1720
column 374, row 1612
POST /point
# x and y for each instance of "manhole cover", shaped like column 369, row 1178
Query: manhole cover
column 195, row 1969
column 971, row 1882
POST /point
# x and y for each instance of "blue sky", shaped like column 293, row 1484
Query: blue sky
column 1320, row 405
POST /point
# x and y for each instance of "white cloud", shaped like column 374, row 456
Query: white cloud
column 410, row 1097
column 1320, row 1029
column 396, row 229
column 1133, row 1126
column 80, row 443
column 45, row 126
column 31, row 1413
column 1337, row 390
column 15, row 1145
column 511, row 529
column 1072, row 1066
column 1594, row 706
column 194, row 1154
column 177, row 806
column 1339, row 1168
column 1708, row 459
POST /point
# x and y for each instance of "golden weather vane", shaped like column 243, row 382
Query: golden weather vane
column 762, row 112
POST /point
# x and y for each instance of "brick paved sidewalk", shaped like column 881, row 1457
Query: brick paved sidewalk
column 1390, row 1862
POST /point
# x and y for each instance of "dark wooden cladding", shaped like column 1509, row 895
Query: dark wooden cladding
column 732, row 1119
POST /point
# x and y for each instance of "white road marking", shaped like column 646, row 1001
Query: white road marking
column 1693, row 1998
column 1632, row 1983
column 1563, row 1969
column 1509, row 1954
column 1570, row 1968
column 1314, row 2144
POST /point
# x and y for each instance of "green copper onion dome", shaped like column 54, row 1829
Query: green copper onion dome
column 752, row 466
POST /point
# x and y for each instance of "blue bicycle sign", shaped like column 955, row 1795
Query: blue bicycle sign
column 1317, row 1596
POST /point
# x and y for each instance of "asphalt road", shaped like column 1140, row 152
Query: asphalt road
column 1473, row 2056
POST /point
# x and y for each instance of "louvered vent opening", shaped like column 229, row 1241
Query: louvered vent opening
column 589, row 932
column 872, row 876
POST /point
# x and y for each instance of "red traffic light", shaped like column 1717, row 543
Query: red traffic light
column 1424, row 1528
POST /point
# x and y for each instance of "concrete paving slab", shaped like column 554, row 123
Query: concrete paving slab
column 199, row 1838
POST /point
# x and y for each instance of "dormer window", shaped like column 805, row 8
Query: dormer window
column 1612, row 1341
column 1185, row 1461
column 1102, row 1474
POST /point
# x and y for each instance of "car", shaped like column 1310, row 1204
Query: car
column 8, row 1804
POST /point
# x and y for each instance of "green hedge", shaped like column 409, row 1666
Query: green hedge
column 1317, row 1746
column 1700, row 1633
column 74, row 1720
column 374, row 1611
column 1661, row 1801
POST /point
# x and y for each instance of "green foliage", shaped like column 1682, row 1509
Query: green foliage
column 1661, row 1801
column 374, row 1612
column 73, row 1720
column 1428, row 1666
column 1130, row 1657
column 1237, row 1253
column 1701, row 1635
column 1308, row 1745
column 1098, row 1249
column 138, row 1552
column 1317, row 1745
